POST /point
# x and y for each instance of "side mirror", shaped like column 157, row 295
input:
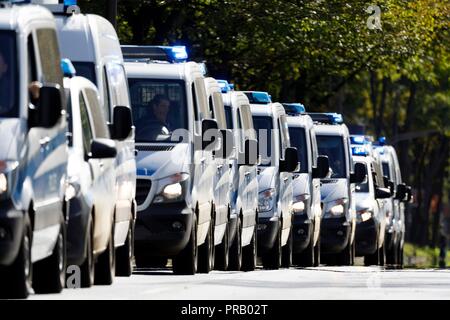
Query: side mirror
column 103, row 148
column 210, row 132
column 250, row 155
column 49, row 104
column 360, row 173
column 122, row 123
column 408, row 194
column 401, row 192
column 227, row 144
column 290, row 162
column 322, row 169
column 382, row 193
column 391, row 187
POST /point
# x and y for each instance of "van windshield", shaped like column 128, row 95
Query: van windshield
column 263, row 126
column 8, row 75
column 298, row 140
column 363, row 187
column 229, row 117
column 86, row 70
column 159, row 109
column 333, row 147
column 386, row 171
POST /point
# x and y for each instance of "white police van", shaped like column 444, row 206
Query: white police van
column 91, row 43
column 338, row 224
column 33, row 153
column 395, row 227
column 278, row 161
column 370, row 204
column 175, row 162
column 306, row 187
column 244, row 182
column 92, row 179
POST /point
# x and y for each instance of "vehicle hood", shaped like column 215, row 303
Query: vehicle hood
column 333, row 189
column 266, row 177
column 364, row 201
column 160, row 164
column 12, row 133
column 301, row 184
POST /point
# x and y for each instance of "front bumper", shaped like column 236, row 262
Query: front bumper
column 366, row 235
column 77, row 232
column 154, row 231
column 302, row 229
column 334, row 234
column 11, row 227
column 267, row 231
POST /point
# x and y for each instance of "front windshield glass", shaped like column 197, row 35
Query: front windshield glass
column 159, row 109
column 263, row 126
column 298, row 140
column 8, row 75
column 86, row 70
column 363, row 187
column 333, row 147
column 386, row 170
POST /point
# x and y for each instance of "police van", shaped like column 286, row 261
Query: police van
column 278, row 161
column 395, row 228
column 306, row 187
column 338, row 223
column 33, row 153
column 91, row 43
column 244, row 180
column 92, row 179
column 371, row 210
column 176, row 169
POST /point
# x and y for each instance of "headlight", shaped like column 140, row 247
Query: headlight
column 363, row 215
column 172, row 188
column 299, row 204
column 3, row 183
column 336, row 208
column 266, row 200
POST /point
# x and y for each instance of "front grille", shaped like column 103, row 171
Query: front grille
column 328, row 181
column 154, row 148
column 143, row 187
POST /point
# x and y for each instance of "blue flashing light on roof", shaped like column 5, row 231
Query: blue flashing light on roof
column 382, row 141
column 67, row 68
column 231, row 86
column 175, row 54
column 258, row 97
column 224, row 86
column 360, row 150
column 358, row 139
column 294, row 108
column 379, row 149
column 328, row 118
column 70, row 2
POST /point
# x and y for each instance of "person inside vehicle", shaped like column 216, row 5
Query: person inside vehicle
column 155, row 122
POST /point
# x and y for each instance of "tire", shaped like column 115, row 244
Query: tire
column 382, row 258
column 346, row 257
column 317, row 253
column 125, row 253
column 372, row 259
column 105, row 268
column 272, row 258
column 185, row 263
column 206, row 251
column 87, row 269
column 392, row 256
column 400, row 257
column 249, row 253
column 49, row 274
column 236, row 254
column 286, row 251
column 306, row 257
column 16, row 279
column 222, row 252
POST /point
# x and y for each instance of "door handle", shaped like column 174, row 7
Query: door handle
column 247, row 173
column 285, row 179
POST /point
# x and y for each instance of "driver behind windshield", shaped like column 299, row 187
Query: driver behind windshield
column 155, row 120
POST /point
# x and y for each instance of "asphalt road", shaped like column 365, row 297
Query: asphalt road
column 324, row 282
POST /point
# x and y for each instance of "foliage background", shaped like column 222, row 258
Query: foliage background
column 393, row 82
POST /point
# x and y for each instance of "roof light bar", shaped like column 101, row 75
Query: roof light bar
column 175, row 54
column 67, row 68
column 327, row 118
column 294, row 108
column 258, row 97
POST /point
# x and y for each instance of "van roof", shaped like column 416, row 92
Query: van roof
column 267, row 109
column 303, row 121
column 12, row 18
column 235, row 98
column 331, row 130
column 91, row 32
column 179, row 71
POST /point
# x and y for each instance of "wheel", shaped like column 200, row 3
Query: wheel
column 286, row 251
column 235, row 257
column 249, row 253
column 206, row 251
column 392, row 255
column 49, row 274
column 186, row 261
column 124, row 254
column 400, row 257
column 306, row 257
column 105, row 268
column 87, row 269
column 382, row 257
column 222, row 252
column 317, row 253
column 372, row 259
column 346, row 257
column 16, row 279
column 272, row 258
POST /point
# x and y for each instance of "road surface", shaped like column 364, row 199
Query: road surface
column 324, row 282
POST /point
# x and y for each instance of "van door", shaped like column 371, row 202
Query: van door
column 315, row 185
column 286, row 191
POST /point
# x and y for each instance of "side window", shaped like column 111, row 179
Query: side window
column 85, row 125
column 194, row 100
column 211, row 106
column 106, row 93
column 280, row 140
column 49, row 56
column 240, row 127
column 98, row 118
column 32, row 70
